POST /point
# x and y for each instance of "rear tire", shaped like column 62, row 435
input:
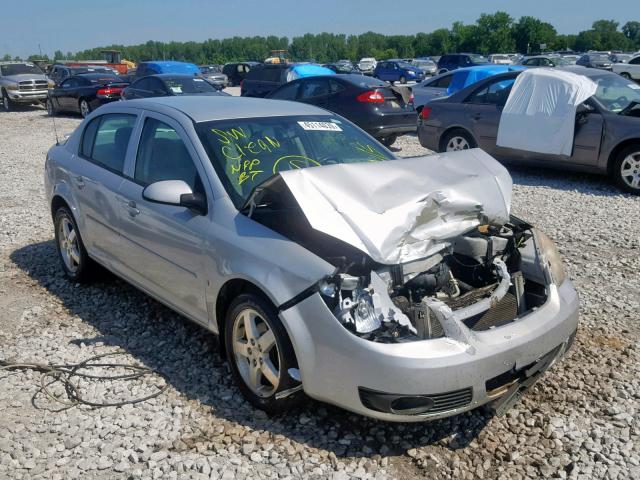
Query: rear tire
column 85, row 108
column 76, row 264
column 626, row 169
column 261, row 355
column 457, row 139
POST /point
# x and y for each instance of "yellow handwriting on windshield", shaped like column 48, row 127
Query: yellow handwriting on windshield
column 243, row 153
column 374, row 154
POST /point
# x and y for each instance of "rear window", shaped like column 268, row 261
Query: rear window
column 366, row 82
column 181, row 86
column 265, row 74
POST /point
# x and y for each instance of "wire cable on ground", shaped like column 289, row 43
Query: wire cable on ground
column 63, row 373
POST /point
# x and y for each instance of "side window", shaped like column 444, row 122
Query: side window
column 287, row 92
column 314, row 88
column 443, row 82
column 635, row 61
column 543, row 62
column 162, row 155
column 156, row 85
column 495, row 93
column 529, row 62
column 335, row 87
column 110, row 140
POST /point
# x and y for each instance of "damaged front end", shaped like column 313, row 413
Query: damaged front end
column 420, row 246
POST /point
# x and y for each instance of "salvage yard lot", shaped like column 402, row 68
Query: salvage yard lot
column 580, row 421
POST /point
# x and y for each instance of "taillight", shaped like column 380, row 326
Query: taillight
column 103, row 92
column 411, row 98
column 371, row 96
column 426, row 111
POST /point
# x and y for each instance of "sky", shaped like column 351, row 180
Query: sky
column 73, row 25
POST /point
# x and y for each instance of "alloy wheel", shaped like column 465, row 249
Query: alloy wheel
column 84, row 108
column 68, row 245
column 256, row 353
column 630, row 170
column 457, row 143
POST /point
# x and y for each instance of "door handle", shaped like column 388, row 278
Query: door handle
column 79, row 182
column 132, row 208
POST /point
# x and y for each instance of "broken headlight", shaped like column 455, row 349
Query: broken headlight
column 550, row 257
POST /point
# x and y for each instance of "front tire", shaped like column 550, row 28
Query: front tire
column 7, row 103
column 85, row 108
column 457, row 140
column 389, row 141
column 260, row 353
column 51, row 109
column 625, row 75
column 77, row 265
column 626, row 169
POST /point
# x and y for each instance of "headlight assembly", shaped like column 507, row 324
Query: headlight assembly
column 12, row 86
column 550, row 257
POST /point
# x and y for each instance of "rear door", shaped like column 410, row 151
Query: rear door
column 162, row 245
column 484, row 109
column 96, row 179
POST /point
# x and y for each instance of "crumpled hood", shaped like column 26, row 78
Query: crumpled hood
column 402, row 210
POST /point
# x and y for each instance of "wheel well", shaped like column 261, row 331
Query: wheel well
column 448, row 131
column 226, row 295
column 56, row 203
column 618, row 148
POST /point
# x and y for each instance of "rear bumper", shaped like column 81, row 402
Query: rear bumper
column 340, row 368
column 429, row 137
column 392, row 123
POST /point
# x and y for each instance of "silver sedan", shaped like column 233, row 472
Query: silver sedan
column 400, row 289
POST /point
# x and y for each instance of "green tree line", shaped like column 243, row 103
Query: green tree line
column 491, row 33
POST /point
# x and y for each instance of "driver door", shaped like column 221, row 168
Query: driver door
column 163, row 245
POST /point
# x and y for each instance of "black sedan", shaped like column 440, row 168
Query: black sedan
column 383, row 111
column 167, row 85
column 84, row 93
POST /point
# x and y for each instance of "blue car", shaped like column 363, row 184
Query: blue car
column 453, row 61
column 161, row 66
column 449, row 83
column 397, row 71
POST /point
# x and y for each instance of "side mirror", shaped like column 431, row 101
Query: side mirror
column 177, row 193
column 584, row 109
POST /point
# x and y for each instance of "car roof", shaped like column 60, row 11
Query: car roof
column 205, row 108
column 171, row 75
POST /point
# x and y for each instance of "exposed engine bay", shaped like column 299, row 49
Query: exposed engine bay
column 477, row 279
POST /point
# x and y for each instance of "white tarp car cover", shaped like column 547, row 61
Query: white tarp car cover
column 402, row 210
column 540, row 113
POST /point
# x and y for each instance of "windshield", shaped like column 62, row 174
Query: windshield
column 616, row 93
column 478, row 59
column 424, row 63
column 78, row 70
column 19, row 69
column 211, row 69
column 181, row 86
column 598, row 58
column 247, row 152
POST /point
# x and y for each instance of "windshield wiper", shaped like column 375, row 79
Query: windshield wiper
column 251, row 203
column 626, row 110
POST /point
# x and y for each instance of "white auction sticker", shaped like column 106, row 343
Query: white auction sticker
column 634, row 86
column 322, row 126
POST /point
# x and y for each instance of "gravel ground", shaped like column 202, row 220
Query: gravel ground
column 579, row 421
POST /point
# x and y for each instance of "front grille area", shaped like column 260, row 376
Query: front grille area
column 503, row 312
column 32, row 85
column 432, row 403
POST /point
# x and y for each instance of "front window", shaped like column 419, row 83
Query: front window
column 181, row 86
column 616, row 93
column 20, row 69
column 247, row 152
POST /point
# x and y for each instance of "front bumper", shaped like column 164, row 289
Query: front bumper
column 336, row 366
column 27, row 96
